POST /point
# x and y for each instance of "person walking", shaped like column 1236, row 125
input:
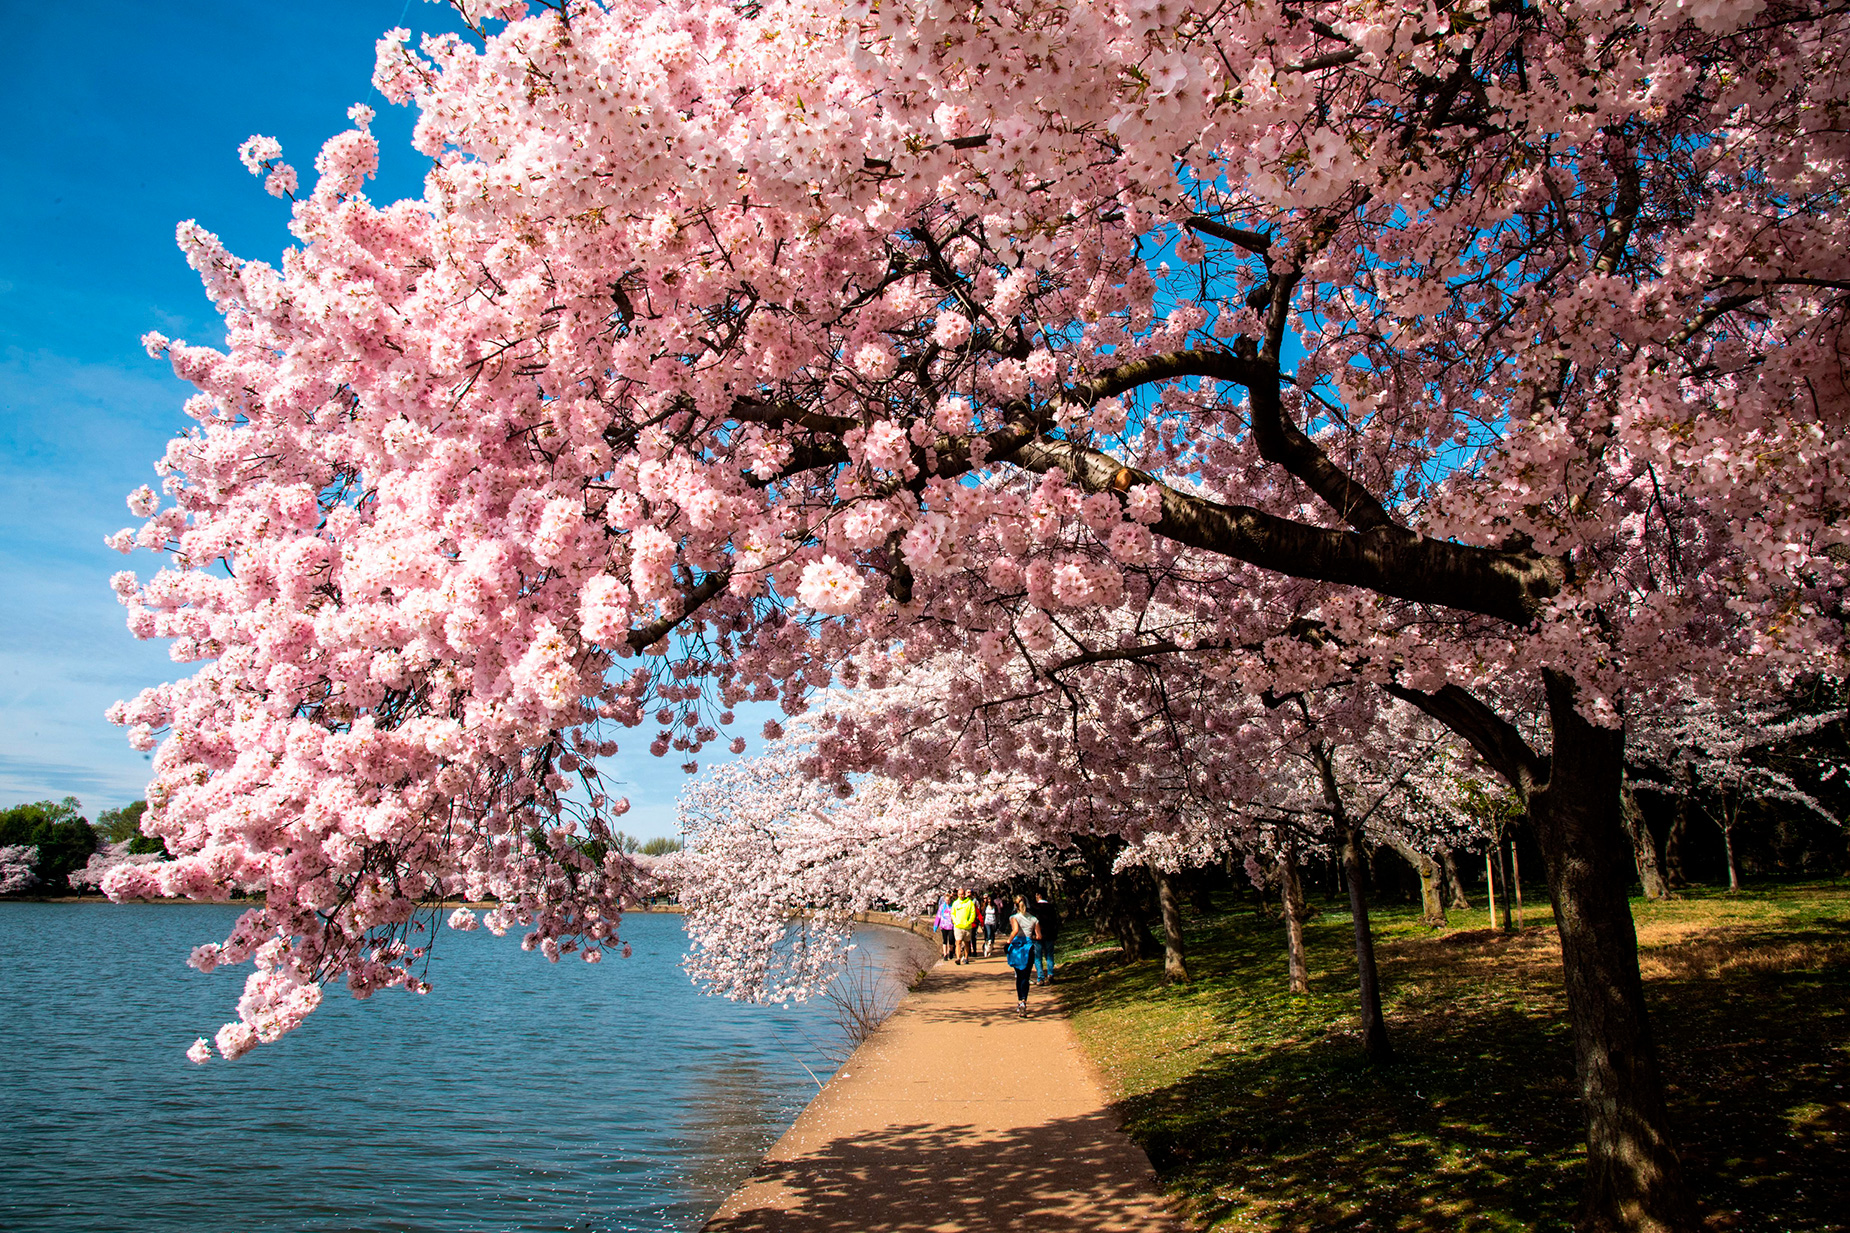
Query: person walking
column 941, row 921
column 1024, row 931
column 989, row 925
column 963, row 921
column 1049, row 919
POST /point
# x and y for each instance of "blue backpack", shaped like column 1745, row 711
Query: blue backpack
column 1021, row 953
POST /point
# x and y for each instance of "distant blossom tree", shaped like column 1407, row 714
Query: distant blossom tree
column 16, row 868
column 1455, row 343
column 106, row 860
column 778, row 862
column 1690, row 744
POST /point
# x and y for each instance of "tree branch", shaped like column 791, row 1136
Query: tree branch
column 1509, row 584
column 691, row 601
column 1495, row 739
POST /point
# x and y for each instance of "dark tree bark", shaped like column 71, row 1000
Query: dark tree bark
column 1675, row 877
column 1374, row 1025
column 1199, row 893
column 1175, row 955
column 1634, row 1180
column 1113, row 900
column 1729, row 816
column 1261, row 908
column 1455, row 885
column 1644, row 847
column 1296, row 913
column 1127, row 920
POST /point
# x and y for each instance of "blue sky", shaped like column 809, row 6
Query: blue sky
column 123, row 119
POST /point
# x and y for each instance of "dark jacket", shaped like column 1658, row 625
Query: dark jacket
column 1049, row 918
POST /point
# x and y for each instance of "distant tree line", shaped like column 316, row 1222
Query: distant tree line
column 43, row 843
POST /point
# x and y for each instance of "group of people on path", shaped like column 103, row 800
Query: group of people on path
column 1033, row 928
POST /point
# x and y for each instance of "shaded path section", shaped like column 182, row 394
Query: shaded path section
column 956, row 1115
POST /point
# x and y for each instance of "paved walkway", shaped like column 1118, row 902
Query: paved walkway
column 956, row 1115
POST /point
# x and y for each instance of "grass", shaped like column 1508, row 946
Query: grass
column 1260, row 1113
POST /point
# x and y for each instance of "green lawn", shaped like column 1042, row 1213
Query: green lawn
column 1258, row 1108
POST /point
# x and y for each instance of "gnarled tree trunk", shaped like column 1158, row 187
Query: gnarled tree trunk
column 1634, row 1181
column 1644, row 848
column 1175, row 956
column 1455, row 885
column 1432, row 903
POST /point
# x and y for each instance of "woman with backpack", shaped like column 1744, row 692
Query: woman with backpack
column 1024, row 932
column 941, row 921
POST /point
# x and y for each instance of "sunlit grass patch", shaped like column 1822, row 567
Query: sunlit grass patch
column 1259, row 1111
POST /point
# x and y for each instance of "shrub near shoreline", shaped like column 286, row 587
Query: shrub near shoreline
column 1259, row 1111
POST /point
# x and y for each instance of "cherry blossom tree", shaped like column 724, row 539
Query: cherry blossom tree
column 17, row 868
column 1690, row 744
column 778, row 862
column 1431, row 345
column 106, row 860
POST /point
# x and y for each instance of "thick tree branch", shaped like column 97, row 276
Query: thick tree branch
column 1495, row 739
column 1251, row 241
column 1279, row 440
column 691, row 601
column 1199, row 362
column 1507, row 584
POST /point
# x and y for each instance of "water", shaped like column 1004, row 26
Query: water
column 518, row 1095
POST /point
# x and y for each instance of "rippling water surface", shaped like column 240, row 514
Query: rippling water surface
column 518, row 1095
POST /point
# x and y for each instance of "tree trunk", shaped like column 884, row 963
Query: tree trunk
column 1644, row 848
column 1674, row 876
column 1127, row 923
column 1296, row 913
column 1729, row 817
column 1374, row 1025
column 1634, row 1181
column 1432, row 903
column 1112, row 900
column 1261, row 908
column 1175, row 957
column 1199, row 893
column 1456, row 885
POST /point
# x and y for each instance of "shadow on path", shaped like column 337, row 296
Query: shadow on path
column 1062, row 1176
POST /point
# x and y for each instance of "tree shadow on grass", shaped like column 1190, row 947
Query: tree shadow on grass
column 1268, row 1117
